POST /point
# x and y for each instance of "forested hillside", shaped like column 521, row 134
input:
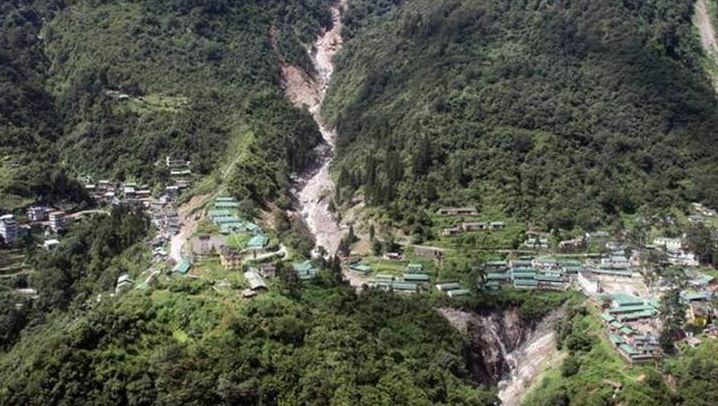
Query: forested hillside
column 559, row 113
column 108, row 88
column 183, row 344
column 29, row 121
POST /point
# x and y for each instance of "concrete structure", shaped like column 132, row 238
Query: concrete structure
column 255, row 281
column 183, row 267
column 124, row 282
column 447, row 286
column 457, row 211
column 458, row 292
column 268, row 270
column 58, row 221
column 230, row 258
column 50, row 245
column 9, row 228
column 257, row 242
column 589, row 284
column 304, row 270
column 361, row 268
column 668, row 244
column 428, row 252
column 37, row 213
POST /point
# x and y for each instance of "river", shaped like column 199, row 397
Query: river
column 315, row 187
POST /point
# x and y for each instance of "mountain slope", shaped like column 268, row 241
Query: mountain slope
column 107, row 89
column 562, row 114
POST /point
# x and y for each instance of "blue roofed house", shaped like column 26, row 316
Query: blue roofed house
column 304, row 270
column 182, row 267
column 257, row 242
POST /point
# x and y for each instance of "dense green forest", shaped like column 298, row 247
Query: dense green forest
column 108, row 88
column 182, row 344
column 87, row 263
column 559, row 113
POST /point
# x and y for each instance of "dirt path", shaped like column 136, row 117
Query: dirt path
column 702, row 20
column 188, row 218
column 87, row 212
column 308, row 92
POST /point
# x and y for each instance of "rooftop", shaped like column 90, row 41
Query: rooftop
column 183, row 267
column 258, row 241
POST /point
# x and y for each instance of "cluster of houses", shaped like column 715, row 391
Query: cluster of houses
column 180, row 174
column 702, row 210
column 698, row 298
column 675, row 250
column 111, row 192
column 223, row 215
column 413, row 279
column 13, row 229
column 536, row 241
column 543, row 273
column 540, row 241
column 467, row 227
column 631, row 325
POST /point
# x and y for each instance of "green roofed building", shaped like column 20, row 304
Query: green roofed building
column 520, row 274
column 361, row 268
column 457, row 292
column 616, row 324
column 607, row 318
column 183, row 267
column 416, row 277
column 498, row 276
column 630, row 309
column 525, row 284
column 404, row 286
column 304, row 270
column 227, row 220
column 626, row 348
column 617, row 339
column 226, row 205
column 215, row 214
column 414, row 268
column 447, row 286
column 624, row 299
column 257, row 242
column 224, row 199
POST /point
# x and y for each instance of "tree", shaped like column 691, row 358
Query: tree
column 673, row 315
column 377, row 248
column 700, row 241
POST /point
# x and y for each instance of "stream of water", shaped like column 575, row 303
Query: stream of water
column 315, row 190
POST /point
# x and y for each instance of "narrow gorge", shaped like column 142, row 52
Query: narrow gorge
column 506, row 351
column 304, row 90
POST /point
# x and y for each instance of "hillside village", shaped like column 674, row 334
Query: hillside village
column 624, row 281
